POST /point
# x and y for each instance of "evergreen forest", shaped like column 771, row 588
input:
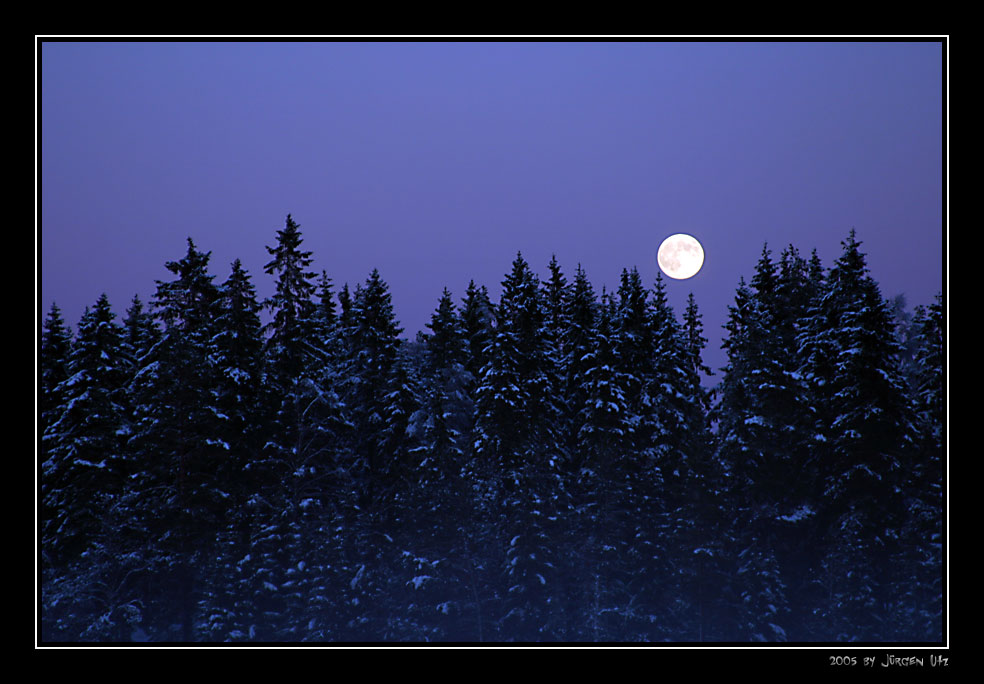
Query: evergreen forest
column 554, row 466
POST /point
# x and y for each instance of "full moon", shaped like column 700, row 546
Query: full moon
column 680, row 256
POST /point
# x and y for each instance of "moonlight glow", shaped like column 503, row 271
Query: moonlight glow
column 680, row 256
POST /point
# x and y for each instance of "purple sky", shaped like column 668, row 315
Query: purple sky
column 436, row 162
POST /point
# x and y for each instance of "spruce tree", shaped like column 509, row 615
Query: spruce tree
column 918, row 611
column 699, row 514
column 325, row 322
column 501, row 393
column 141, row 333
column 304, row 450
column 84, row 469
column 448, row 406
column 928, row 384
column 292, row 303
column 671, row 388
column 235, row 353
column 635, row 341
column 374, row 337
column 517, row 448
column 175, row 499
column 56, row 344
column 90, row 575
column 603, row 517
column 766, row 427
column 580, row 342
column 477, row 323
column 867, row 439
column 373, row 343
column 555, row 294
column 447, row 509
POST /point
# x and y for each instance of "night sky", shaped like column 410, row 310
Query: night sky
column 436, row 162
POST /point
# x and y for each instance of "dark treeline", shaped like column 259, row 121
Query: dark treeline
column 548, row 467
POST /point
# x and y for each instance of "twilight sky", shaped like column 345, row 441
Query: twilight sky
column 437, row 162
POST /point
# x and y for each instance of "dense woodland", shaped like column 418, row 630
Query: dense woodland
column 549, row 467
